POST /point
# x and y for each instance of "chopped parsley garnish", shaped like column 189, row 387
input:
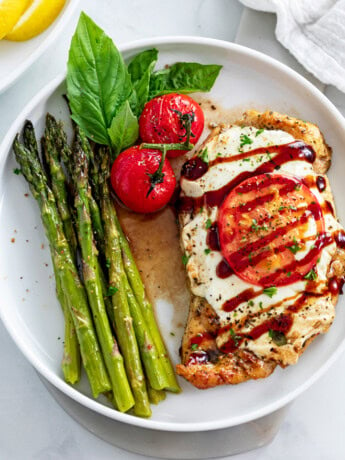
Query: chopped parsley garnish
column 246, row 159
column 298, row 186
column 258, row 132
column 185, row 259
column 250, row 255
column 107, row 263
column 270, row 291
column 260, row 305
column 208, row 223
column 251, row 303
column 294, row 248
column 311, row 276
column 244, row 140
column 281, row 208
column 235, row 338
column 254, row 226
column 111, row 290
column 288, row 274
column 17, row 171
column 204, row 155
column 277, row 337
column 194, row 346
column 207, row 251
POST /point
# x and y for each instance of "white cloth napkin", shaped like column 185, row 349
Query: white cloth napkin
column 314, row 32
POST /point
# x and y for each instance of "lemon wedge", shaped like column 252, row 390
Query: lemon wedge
column 10, row 12
column 36, row 19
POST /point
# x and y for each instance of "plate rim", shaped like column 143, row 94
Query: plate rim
column 57, row 381
column 15, row 74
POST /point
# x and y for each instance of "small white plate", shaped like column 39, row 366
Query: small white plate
column 28, row 306
column 16, row 57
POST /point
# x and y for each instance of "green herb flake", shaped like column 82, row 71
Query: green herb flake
column 288, row 274
column 270, row 291
column 194, row 346
column 251, row 303
column 185, row 259
column 258, row 132
column 311, row 275
column 245, row 140
column 111, row 290
column 208, row 224
column 107, row 263
column 204, row 155
column 254, row 226
column 278, row 337
column 207, row 251
column 17, row 171
column 236, row 338
column 294, row 247
column 260, row 305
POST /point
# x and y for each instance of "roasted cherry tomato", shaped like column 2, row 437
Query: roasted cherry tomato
column 136, row 180
column 164, row 118
column 271, row 230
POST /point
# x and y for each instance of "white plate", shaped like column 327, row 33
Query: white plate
column 16, row 57
column 34, row 319
column 264, row 5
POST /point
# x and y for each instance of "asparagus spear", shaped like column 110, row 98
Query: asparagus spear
column 71, row 355
column 65, row 268
column 58, row 181
column 113, row 359
column 123, row 320
column 146, row 307
column 156, row 396
column 63, row 147
column 154, row 370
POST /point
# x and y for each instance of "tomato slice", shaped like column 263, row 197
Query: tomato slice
column 271, row 230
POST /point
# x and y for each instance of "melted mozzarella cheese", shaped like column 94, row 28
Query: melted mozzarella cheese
column 202, row 263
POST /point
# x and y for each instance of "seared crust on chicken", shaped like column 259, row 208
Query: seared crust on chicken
column 243, row 364
column 299, row 129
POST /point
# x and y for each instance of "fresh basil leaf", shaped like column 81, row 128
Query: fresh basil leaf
column 124, row 128
column 140, row 70
column 141, row 62
column 184, row 77
column 98, row 82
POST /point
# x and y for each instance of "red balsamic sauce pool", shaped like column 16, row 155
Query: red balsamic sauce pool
column 212, row 239
column 321, row 183
column 223, row 269
column 340, row 239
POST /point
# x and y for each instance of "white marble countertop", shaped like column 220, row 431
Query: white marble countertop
column 33, row 426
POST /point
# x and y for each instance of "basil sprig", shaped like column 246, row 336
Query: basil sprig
column 106, row 97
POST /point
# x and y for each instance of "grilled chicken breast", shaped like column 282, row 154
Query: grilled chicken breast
column 264, row 251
